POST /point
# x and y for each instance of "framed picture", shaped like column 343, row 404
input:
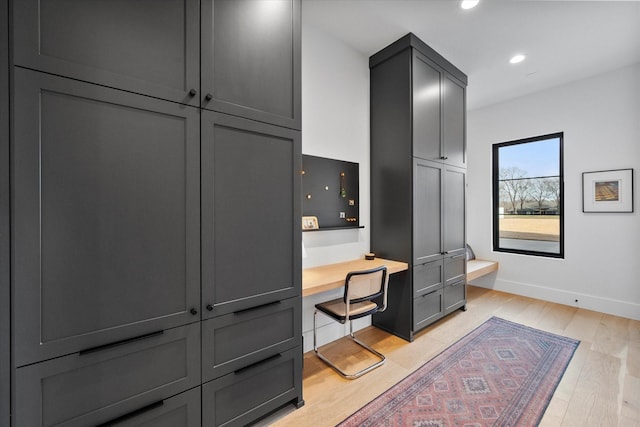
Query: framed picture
column 607, row 191
column 309, row 223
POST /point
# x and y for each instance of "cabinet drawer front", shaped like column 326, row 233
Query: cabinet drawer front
column 182, row 410
column 107, row 217
column 92, row 388
column 454, row 296
column 426, row 309
column 143, row 46
column 236, row 340
column 243, row 396
column 427, row 278
column 251, row 213
column 454, row 268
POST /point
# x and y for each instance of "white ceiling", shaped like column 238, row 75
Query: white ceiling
column 563, row 40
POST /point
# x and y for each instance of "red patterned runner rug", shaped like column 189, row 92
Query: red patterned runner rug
column 500, row 374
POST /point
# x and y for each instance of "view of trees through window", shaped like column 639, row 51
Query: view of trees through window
column 527, row 194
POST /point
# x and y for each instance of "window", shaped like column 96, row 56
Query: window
column 528, row 196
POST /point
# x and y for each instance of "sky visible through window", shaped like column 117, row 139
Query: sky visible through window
column 537, row 159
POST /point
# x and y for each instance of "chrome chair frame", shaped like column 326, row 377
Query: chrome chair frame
column 349, row 317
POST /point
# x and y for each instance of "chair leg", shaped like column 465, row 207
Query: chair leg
column 357, row 341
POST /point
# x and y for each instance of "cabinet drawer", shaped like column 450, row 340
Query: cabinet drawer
column 182, row 410
column 143, row 46
column 454, row 268
column 247, row 394
column 427, row 278
column 236, row 340
column 426, row 309
column 104, row 383
column 454, row 296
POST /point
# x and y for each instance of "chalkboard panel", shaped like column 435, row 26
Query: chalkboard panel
column 330, row 192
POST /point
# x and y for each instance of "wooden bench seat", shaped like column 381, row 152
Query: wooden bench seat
column 480, row 267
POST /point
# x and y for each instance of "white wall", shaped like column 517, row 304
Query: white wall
column 600, row 118
column 335, row 124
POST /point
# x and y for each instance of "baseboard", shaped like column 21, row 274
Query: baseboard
column 589, row 302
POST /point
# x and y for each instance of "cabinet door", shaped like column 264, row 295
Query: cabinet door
column 251, row 59
column 144, row 46
column 427, row 211
column 106, row 215
column 454, row 210
column 251, row 235
column 426, row 109
column 453, row 119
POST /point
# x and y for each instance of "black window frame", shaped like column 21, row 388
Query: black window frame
column 495, row 180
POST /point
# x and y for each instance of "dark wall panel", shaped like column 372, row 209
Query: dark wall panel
column 331, row 191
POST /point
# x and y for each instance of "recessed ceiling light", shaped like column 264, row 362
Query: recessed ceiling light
column 517, row 58
column 469, row 4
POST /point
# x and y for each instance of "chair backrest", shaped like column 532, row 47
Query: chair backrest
column 367, row 285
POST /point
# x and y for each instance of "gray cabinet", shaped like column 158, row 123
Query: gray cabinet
column 418, row 181
column 106, row 215
column 155, row 222
column 251, row 59
column 142, row 46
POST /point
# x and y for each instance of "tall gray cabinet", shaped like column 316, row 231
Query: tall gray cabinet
column 418, row 169
column 155, row 205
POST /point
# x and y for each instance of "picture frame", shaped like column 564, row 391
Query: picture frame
column 609, row 191
column 309, row 223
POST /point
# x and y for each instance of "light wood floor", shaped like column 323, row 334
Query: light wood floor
column 601, row 386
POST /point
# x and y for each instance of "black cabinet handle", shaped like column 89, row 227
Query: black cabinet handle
column 208, row 97
column 132, row 414
column 256, row 307
column 209, row 307
column 118, row 343
column 253, row 365
column 193, row 92
column 193, row 311
column 444, row 157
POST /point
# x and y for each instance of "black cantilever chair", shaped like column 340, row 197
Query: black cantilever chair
column 365, row 293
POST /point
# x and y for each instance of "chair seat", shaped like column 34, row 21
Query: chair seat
column 337, row 309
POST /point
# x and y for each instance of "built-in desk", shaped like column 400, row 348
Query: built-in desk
column 331, row 276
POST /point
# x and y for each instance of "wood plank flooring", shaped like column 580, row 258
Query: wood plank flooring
column 601, row 386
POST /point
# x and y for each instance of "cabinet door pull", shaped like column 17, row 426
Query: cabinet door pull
column 209, row 307
column 256, row 307
column 253, row 365
column 193, row 92
column 193, row 311
column 208, row 97
column 132, row 414
column 119, row 343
